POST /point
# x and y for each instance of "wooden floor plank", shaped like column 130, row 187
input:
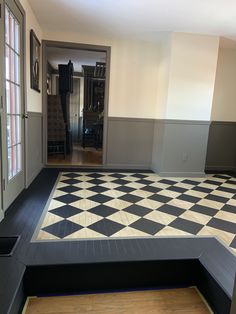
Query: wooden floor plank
column 79, row 156
column 178, row 301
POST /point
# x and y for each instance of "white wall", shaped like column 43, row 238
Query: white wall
column 133, row 84
column 133, row 73
column 163, row 76
column 192, row 76
column 33, row 99
column 174, row 82
column 224, row 100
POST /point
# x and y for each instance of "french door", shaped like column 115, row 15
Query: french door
column 12, row 91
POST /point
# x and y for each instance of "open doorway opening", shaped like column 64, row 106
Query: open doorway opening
column 75, row 101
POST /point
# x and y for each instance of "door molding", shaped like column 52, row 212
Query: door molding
column 69, row 45
column 20, row 7
column 3, row 171
column 1, row 103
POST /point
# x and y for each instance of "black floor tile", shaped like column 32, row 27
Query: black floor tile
column 130, row 198
column 100, row 198
column 98, row 189
column 212, row 182
column 151, row 189
column 224, row 189
column 233, row 243
column 186, row 225
column 106, row 227
column 217, row 198
column 96, row 181
column 229, row 209
column 138, row 210
column 144, row 181
column 71, row 181
column 66, row 211
column 70, row 189
column 189, row 198
column 139, row 175
column 96, row 175
column 125, row 189
column 204, row 210
column 118, row 175
column 168, row 182
column 160, row 198
column 147, row 226
column 172, row 210
column 201, row 189
column 221, row 176
column 103, row 210
column 68, row 198
column 177, row 189
column 121, row 181
column 71, row 175
column 222, row 225
column 190, row 182
column 231, row 182
column 62, row 228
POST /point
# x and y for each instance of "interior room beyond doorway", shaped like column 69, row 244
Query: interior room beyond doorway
column 75, row 106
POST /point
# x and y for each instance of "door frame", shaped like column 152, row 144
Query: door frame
column 78, row 108
column 2, row 95
column 69, row 45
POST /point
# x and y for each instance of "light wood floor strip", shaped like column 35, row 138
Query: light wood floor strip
column 176, row 301
column 79, row 156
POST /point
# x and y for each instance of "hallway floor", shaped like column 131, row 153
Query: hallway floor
column 182, row 301
column 103, row 205
column 80, row 156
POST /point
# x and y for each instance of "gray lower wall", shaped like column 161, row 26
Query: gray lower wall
column 179, row 147
column 221, row 151
column 34, row 162
column 129, row 143
column 168, row 147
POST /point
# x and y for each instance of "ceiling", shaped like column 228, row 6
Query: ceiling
column 78, row 57
column 144, row 19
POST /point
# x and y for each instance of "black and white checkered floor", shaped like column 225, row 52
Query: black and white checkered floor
column 112, row 205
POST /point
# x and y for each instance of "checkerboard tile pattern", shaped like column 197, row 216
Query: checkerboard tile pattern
column 112, row 205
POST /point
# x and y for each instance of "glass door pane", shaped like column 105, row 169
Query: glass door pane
column 12, row 88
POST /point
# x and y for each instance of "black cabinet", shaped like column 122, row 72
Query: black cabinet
column 94, row 93
column 66, row 78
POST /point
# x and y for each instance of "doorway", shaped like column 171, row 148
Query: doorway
column 12, row 109
column 75, row 77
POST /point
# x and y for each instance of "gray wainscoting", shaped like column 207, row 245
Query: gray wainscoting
column 34, row 162
column 179, row 147
column 221, row 151
column 129, row 143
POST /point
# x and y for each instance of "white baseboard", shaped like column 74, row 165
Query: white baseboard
column 182, row 174
column 127, row 166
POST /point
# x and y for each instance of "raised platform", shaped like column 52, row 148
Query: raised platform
column 95, row 265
